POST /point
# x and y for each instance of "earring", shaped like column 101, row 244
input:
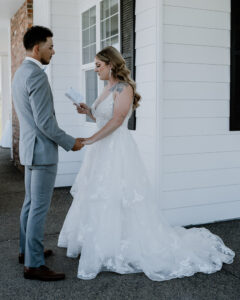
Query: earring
column 110, row 73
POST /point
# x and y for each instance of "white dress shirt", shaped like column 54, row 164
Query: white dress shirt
column 37, row 62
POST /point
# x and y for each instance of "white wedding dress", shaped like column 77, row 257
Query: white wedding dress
column 115, row 224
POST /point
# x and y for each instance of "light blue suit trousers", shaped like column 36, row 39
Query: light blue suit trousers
column 39, row 184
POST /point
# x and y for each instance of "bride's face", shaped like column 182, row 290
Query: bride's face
column 102, row 69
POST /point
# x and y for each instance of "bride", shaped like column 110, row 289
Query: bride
column 113, row 222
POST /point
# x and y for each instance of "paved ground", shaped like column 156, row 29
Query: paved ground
column 223, row 285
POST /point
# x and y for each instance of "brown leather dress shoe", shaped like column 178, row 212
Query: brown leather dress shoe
column 47, row 253
column 42, row 273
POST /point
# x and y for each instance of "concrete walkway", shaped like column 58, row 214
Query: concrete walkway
column 223, row 285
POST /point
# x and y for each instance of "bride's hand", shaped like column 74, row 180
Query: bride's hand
column 87, row 141
column 82, row 108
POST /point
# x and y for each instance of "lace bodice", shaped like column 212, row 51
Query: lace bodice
column 103, row 111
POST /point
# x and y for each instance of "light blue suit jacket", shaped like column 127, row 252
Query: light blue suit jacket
column 39, row 131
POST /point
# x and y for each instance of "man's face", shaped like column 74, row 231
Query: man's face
column 46, row 51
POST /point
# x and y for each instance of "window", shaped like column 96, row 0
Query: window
column 89, row 35
column 109, row 16
column 95, row 36
column 108, row 23
column 235, row 66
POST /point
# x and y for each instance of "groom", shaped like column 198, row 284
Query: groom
column 38, row 147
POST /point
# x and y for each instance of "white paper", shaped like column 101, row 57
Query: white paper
column 74, row 95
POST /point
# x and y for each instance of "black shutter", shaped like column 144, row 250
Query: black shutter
column 127, row 21
column 235, row 66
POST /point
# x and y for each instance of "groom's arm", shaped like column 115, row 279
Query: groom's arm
column 41, row 103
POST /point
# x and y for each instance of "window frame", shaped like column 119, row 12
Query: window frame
column 91, row 65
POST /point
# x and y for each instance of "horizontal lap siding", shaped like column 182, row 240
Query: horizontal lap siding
column 145, row 134
column 65, row 20
column 201, row 168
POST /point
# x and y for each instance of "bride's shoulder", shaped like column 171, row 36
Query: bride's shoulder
column 121, row 87
column 123, row 91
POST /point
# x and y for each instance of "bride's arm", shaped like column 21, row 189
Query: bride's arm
column 122, row 103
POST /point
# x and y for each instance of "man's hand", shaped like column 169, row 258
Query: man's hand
column 78, row 144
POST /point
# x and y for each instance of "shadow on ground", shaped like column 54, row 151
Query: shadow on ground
column 223, row 285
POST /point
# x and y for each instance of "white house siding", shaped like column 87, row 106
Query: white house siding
column 5, row 76
column 65, row 72
column 201, row 166
column 5, row 91
column 145, row 134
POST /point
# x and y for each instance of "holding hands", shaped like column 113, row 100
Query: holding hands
column 78, row 144
column 82, row 108
column 123, row 101
column 81, row 142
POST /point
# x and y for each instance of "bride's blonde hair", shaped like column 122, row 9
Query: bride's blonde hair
column 119, row 69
